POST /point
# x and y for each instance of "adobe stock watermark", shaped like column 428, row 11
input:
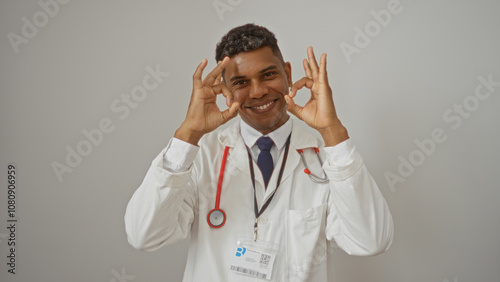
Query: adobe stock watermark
column 454, row 116
column 121, row 277
column 363, row 37
column 454, row 280
column 122, row 107
column 30, row 28
column 223, row 6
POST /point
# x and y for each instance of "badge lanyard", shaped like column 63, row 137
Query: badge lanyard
column 266, row 204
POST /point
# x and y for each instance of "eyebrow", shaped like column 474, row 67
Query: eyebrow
column 271, row 67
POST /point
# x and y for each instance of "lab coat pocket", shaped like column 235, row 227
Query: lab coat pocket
column 305, row 239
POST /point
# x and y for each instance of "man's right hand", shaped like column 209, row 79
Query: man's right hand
column 203, row 115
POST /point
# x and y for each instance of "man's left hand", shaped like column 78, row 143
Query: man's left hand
column 319, row 112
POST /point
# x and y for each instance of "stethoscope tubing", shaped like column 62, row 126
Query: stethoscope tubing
column 314, row 178
column 221, row 176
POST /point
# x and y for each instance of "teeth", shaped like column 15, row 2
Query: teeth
column 264, row 106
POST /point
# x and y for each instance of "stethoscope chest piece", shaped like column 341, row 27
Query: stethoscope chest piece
column 216, row 218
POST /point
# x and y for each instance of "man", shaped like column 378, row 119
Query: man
column 269, row 220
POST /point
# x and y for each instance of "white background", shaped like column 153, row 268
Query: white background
column 396, row 89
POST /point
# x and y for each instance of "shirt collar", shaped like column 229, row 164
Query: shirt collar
column 279, row 135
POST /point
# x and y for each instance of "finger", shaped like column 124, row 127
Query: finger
column 293, row 108
column 299, row 84
column 230, row 113
column 307, row 69
column 218, row 79
column 312, row 62
column 199, row 72
column 222, row 88
column 323, row 77
column 228, row 94
column 212, row 76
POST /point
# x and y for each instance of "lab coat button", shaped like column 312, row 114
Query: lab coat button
column 263, row 220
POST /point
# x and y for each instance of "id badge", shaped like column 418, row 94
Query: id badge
column 255, row 259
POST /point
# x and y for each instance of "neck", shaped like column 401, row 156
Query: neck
column 274, row 127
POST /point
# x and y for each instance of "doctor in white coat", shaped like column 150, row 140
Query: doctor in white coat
column 262, row 228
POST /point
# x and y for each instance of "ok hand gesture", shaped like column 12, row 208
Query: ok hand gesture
column 319, row 112
column 203, row 114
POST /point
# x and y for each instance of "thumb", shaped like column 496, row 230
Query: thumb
column 293, row 108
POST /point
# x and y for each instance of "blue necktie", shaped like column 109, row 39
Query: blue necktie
column 265, row 161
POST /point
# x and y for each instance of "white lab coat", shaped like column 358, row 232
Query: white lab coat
column 304, row 219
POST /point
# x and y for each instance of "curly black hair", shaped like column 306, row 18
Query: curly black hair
column 246, row 38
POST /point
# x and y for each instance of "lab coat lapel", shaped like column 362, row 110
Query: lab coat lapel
column 300, row 139
column 238, row 155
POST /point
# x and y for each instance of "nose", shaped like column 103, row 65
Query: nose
column 258, row 90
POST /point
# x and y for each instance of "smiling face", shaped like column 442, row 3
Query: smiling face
column 259, row 80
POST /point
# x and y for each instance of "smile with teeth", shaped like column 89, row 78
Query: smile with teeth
column 263, row 107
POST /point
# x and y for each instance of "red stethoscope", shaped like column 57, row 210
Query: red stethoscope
column 216, row 217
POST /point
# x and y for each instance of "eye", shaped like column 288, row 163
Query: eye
column 269, row 74
column 239, row 82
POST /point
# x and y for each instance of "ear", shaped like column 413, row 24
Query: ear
column 288, row 70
